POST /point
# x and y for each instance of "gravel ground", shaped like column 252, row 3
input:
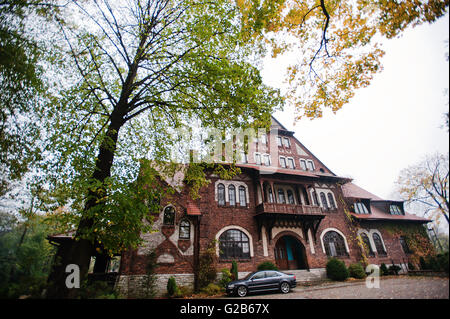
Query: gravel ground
column 390, row 288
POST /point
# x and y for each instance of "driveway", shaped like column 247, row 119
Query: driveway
column 390, row 288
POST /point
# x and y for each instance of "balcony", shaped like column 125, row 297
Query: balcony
column 274, row 208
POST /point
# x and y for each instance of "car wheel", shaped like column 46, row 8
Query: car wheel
column 242, row 291
column 284, row 287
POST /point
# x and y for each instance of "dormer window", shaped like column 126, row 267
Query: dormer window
column 360, row 208
column 395, row 210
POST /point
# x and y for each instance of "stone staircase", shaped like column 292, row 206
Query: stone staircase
column 316, row 274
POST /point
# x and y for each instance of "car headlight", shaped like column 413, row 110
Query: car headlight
column 230, row 286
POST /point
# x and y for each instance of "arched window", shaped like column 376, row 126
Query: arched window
column 242, row 196
column 334, row 244
column 378, row 244
column 367, row 245
column 331, row 201
column 290, row 197
column 185, row 229
column 234, row 244
column 232, row 195
column 221, row 194
column 281, row 198
column 324, row 200
column 169, row 216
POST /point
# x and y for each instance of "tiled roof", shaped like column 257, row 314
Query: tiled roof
column 352, row 190
column 192, row 209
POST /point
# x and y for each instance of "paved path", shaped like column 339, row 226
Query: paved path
column 390, row 288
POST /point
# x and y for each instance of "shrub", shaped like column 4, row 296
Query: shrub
column 226, row 277
column 182, row 291
column 212, row 289
column 171, row 286
column 442, row 260
column 267, row 265
column 234, row 270
column 394, row 269
column 357, row 271
column 207, row 272
column 336, row 270
column 384, row 270
column 423, row 263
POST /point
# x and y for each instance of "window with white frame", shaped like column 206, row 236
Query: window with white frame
column 282, row 162
column 266, row 158
column 291, row 163
column 286, row 142
column 279, row 141
column 258, row 159
column 310, row 165
column 360, row 208
column 303, row 164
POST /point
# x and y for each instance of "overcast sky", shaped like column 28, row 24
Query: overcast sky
column 391, row 124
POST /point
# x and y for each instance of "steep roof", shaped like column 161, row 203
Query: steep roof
column 352, row 190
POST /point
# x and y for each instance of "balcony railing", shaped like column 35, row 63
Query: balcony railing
column 288, row 209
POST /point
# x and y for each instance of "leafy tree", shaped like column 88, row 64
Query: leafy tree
column 334, row 45
column 427, row 183
column 22, row 84
column 138, row 71
column 25, row 257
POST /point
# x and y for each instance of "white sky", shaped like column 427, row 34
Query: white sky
column 389, row 125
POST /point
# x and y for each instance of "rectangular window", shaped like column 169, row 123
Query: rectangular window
column 281, row 197
column 266, row 159
column 310, row 165
column 286, row 142
column 279, row 143
column 264, row 139
column 257, row 159
column 291, row 163
column 303, row 164
column 283, row 162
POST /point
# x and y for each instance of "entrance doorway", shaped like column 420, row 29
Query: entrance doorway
column 290, row 254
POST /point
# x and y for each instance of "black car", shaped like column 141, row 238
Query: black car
column 259, row 281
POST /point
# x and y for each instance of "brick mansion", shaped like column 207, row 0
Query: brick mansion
column 289, row 209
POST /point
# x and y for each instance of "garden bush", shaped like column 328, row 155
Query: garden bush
column 336, row 270
column 267, row 265
column 226, row 277
column 171, row 286
column 384, row 270
column 212, row 290
column 394, row 269
column 234, row 270
column 356, row 271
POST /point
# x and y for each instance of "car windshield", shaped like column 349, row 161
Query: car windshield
column 249, row 275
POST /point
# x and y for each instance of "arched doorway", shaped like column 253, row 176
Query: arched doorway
column 290, row 253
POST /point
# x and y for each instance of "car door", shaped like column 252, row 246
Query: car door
column 257, row 282
column 273, row 280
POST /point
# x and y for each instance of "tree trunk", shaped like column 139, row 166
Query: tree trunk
column 79, row 251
